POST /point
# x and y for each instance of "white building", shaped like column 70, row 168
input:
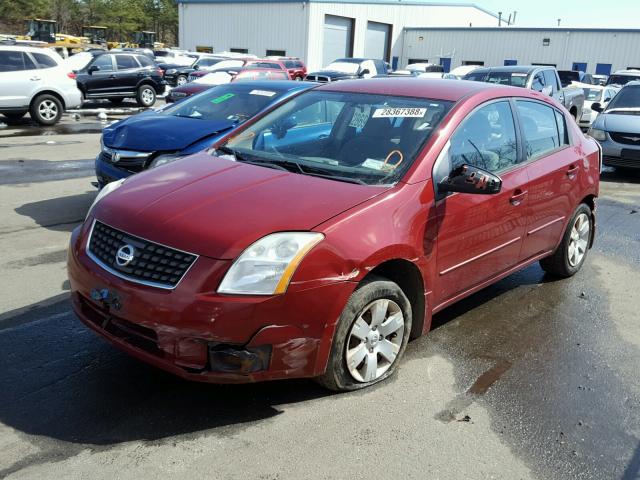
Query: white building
column 318, row 31
column 590, row 50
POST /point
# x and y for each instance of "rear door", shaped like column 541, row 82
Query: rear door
column 128, row 73
column 480, row 236
column 554, row 169
column 19, row 78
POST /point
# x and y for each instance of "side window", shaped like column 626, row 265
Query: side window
column 11, row 61
column 538, row 82
column 126, row 62
column 144, row 61
column 550, row 79
column 563, row 133
column 104, row 62
column 486, row 139
column 44, row 61
column 543, row 133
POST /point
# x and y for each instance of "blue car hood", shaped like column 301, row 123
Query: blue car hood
column 150, row 132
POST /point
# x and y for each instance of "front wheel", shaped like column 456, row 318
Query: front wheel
column 146, row 96
column 181, row 80
column 370, row 338
column 569, row 257
column 46, row 109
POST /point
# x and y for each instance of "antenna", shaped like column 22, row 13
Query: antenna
column 514, row 17
column 499, row 19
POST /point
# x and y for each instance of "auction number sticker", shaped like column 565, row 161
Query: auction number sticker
column 222, row 98
column 264, row 93
column 402, row 112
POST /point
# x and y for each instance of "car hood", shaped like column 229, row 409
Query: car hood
column 621, row 123
column 150, row 132
column 217, row 207
column 333, row 74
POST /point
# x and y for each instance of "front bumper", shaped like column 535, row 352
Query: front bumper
column 195, row 333
column 620, row 155
column 107, row 172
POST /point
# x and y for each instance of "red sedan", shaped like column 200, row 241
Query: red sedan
column 318, row 238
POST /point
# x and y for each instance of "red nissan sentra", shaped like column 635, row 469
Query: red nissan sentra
column 317, row 239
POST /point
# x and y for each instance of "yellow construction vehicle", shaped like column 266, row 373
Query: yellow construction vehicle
column 95, row 34
column 42, row 30
column 144, row 39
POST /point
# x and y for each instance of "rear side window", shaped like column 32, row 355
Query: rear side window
column 125, row 62
column 290, row 64
column 486, row 139
column 544, row 132
column 144, row 61
column 44, row 61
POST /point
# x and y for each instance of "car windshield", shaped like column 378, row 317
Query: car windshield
column 350, row 137
column 592, row 94
column 622, row 79
column 226, row 102
column 345, row 67
column 568, row 76
column 500, row 78
column 627, row 101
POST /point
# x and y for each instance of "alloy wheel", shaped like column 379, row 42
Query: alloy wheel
column 579, row 239
column 48, row 110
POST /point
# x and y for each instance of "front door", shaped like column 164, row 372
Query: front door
column 480, row 236
column 99, row 81
column 553, row 170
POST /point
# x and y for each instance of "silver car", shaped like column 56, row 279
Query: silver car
column 617, row 128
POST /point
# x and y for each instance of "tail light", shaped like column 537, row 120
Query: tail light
column 71, row 75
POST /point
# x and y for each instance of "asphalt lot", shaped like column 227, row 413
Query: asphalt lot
column 530, row 378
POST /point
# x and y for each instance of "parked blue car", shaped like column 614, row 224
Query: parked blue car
column 156, row 137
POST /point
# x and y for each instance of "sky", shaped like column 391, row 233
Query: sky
column 574, row 13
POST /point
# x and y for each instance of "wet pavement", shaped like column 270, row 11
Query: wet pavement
column 532, row 377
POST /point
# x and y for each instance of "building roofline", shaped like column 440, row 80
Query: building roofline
column 419, row 3
column 524, row 29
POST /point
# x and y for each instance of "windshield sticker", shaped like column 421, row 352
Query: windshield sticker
column 402, row 112
column 264, row 93
column 360, row 117
column 222, row 98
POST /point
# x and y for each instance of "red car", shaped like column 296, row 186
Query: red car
column 319, row 237
column 296, row 67
column 236, row 74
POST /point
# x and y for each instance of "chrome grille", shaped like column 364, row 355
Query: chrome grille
column 153, row 264
column 318, row 78
column 626, row 138
column 130, row 161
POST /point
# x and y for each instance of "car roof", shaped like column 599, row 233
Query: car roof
column 415, row 87
column 25, row 48
column 512, row 68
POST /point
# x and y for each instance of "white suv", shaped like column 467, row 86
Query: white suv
column 35, row 80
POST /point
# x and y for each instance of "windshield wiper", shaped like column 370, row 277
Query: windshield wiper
column 337, row 177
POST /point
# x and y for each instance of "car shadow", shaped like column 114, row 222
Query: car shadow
column 65, row 383
column 61, row 213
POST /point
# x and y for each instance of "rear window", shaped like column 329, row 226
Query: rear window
column 622, row 79
column 44, row 61
column 266, row 65
column 592, row 94
column 144, row 61
column 125, row 62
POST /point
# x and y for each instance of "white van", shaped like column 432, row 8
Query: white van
column 35, row 80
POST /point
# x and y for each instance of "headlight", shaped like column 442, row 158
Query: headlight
column 599, row 135
column 164, row 159
column 266, row 267
column 106, row 190
column 171, row 71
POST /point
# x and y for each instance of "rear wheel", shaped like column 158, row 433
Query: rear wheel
column 572, row 252
column 46, row 109
column 181, row 80
column 146, row 96
column 370, row 338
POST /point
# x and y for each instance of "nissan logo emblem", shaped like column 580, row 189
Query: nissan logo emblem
column 125, row 255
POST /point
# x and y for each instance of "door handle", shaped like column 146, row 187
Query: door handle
column 517, row 197
column 35, row 79
column 571, row 172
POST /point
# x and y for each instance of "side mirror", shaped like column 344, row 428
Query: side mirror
column 548, row 90
column 470, row 179
column 93, row 68
column 597, row 107
column 196, row 67
column 364, row 72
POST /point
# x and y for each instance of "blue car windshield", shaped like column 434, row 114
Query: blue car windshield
column 235, row 103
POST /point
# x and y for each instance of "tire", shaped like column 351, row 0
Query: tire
column 181, row 80
column 355, row 339
column 146, row 96
column 116, row 101
column 46, row 109
column 570, row 255
column 298, row 79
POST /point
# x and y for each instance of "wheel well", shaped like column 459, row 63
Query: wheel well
column 408, row 277
column 574, row 112
column 590, row 200
column 48, row 92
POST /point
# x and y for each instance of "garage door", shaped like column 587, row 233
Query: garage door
column 377, row 41
column 338, row 35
